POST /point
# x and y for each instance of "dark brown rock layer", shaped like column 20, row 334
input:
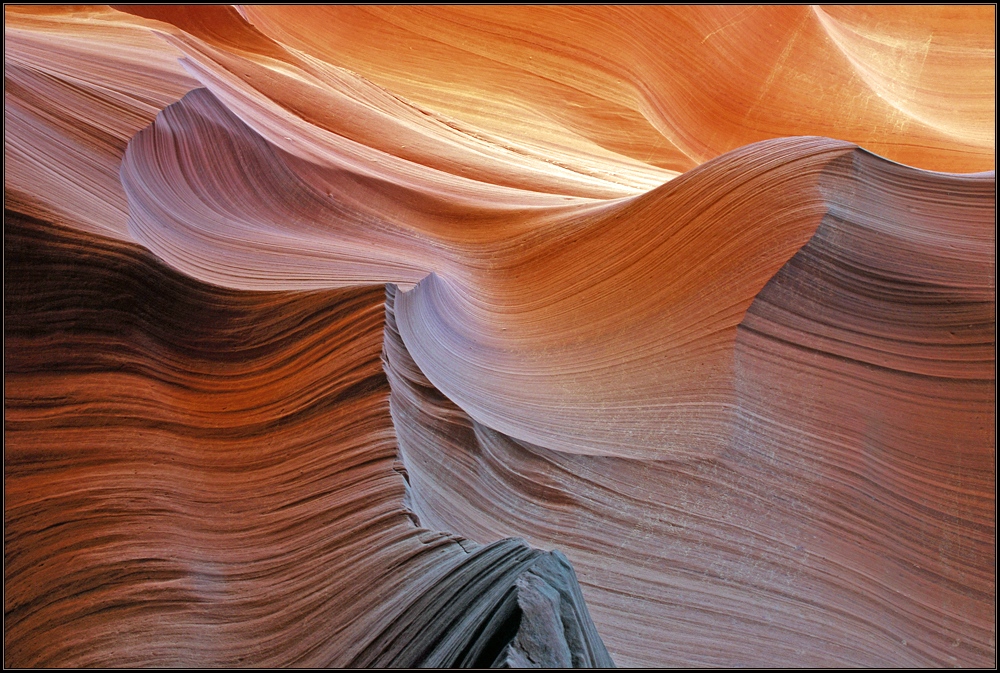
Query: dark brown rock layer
column 195, row 476
column 676, row 291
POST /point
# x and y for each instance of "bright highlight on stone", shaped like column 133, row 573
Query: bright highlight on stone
column 500, row 336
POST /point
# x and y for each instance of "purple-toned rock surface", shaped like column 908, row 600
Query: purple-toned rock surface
column 499, row 336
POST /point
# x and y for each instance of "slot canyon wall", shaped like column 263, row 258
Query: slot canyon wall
column 499, row 336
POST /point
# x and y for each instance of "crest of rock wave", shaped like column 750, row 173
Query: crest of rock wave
column 322, row 324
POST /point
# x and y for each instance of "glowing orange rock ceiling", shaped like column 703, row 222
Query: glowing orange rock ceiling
column 470, row 336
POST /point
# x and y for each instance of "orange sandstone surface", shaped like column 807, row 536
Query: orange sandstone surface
column 499, row 336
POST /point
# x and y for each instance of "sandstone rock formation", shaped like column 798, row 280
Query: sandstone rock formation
column 472, row 336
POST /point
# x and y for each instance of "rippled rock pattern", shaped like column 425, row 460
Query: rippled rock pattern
column 500, row 336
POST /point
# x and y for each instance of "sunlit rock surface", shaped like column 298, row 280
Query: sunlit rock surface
column 472, row 336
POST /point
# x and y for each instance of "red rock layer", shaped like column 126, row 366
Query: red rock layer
column 191, row 473
column 640, row 310
column 196, row 476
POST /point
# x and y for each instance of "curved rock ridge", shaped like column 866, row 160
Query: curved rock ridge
column 616, row 337
column 853, row 493
column 505, row 606
column 718, row 233
column 322, row 322
column 614, row 118
column 201, row 477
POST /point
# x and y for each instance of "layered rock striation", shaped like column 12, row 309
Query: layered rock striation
column 475, row 336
